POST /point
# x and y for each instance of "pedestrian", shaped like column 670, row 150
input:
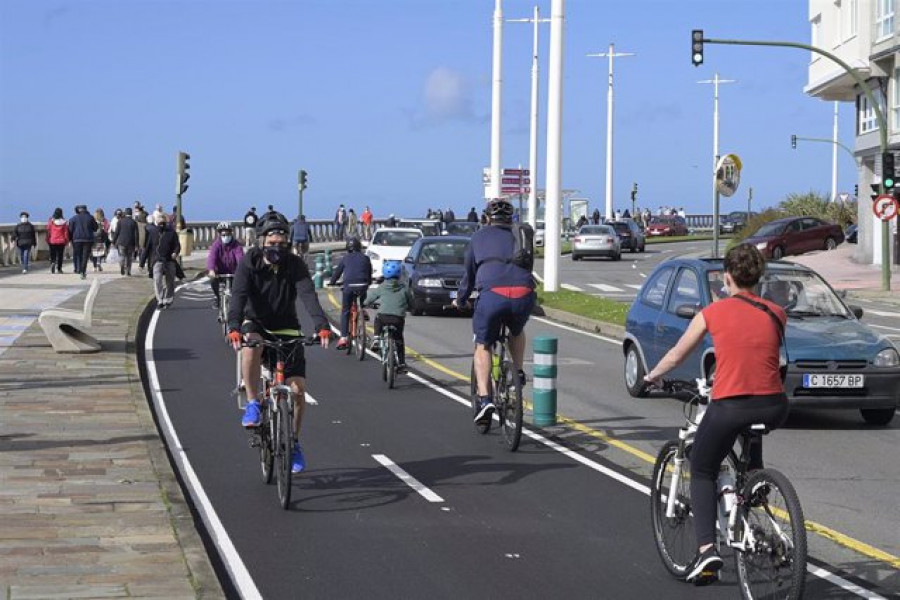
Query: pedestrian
column 162, row 251
column 618, row 214
column 366, row 219
column 114, row 221
column 25, row 238
column 449, row 216
column 300, row 236
column 352, row 224
column 340, row 222
column 626, row 214
column 57, row 238
column 472, row 217
column 391, row 221
column 250, row 221
column 101, row 240
column 595, row 216
column 126, row 237
column 82, row 227
column 176, row 219
column 681, row 212
column 582, row 221
column 157, row 211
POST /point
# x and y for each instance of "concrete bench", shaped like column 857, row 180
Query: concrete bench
column 63, row 326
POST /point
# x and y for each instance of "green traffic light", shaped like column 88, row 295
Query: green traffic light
column 888, row 183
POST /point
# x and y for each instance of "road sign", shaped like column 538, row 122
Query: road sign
column 728, row 174
column 516, row 172
column 508, row 189
column 515, row 180
column 885, row 207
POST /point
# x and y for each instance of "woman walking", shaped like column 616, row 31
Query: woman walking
column 57, row 238
column 101, row 240
column 26, row 240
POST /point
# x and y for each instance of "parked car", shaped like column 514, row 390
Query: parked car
column 466, row 228
column 734, row 221
column 432, row 271
column 539, row 234
column 795, row 235
column 834, row 359
column 667, row 225
column 596, row 240
column 426, row 226
column 630, row 235
column 850, row 233
column 390, row 243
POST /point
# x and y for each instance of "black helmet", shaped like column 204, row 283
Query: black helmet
column 275, row 221
column 500, row 211
column 353, row 244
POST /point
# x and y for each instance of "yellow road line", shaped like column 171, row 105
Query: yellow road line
column 826, row 532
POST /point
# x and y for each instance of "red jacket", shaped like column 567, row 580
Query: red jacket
column 57, row 231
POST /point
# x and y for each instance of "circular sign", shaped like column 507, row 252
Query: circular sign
column 728, row 174
column 885, row 207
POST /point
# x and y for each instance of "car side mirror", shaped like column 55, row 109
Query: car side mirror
column 856, row 310
column 686, row 311
column 409, row 259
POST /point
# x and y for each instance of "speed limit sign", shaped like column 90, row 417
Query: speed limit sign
column 885, row 207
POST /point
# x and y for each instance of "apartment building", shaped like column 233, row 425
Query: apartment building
column 864, row 34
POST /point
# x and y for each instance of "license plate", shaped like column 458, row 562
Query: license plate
column 453, row 295
column 833, row 381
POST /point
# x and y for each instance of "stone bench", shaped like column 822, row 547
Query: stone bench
column 63, row 326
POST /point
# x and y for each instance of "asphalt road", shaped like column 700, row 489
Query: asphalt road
column 532, row 524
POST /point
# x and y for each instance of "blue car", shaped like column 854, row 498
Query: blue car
column 834, row 360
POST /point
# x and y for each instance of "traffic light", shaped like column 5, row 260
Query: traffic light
column 697, row 47
column 876, row 191
column 794, row 142
column 181, row 185
column 634, row 192
column 887, row 172
column 856, row 191
column 302, row 180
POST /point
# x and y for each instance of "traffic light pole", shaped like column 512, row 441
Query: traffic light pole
column 882, row 128
column 838, row 144
column 299, row 193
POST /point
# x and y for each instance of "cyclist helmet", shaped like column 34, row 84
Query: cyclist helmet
column 500, row 211
column 353, row 244
column 275, row 221
column 224, row 226
column 391, row 269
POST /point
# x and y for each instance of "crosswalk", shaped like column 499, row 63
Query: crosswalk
column 628, row 289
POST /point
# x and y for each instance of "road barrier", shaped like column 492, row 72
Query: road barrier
column 544, row 396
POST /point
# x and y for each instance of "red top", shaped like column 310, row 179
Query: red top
column 747, row 347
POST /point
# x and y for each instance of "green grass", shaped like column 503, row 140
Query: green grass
column 585, row 305
column 565, row 247
column 681, row 238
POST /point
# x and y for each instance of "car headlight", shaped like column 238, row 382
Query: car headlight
column 887, row 358
column 373, row 255
column 762, row 245
column 429, row 283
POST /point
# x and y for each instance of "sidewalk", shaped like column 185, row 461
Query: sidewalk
column 839, row 269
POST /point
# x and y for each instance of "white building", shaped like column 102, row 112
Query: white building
column 864, row 34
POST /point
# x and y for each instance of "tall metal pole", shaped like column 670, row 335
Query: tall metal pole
column 496, row 103
column 611, row 54
column 716, row 81
column 554, row 147
column 299, row 193
column 834, row 150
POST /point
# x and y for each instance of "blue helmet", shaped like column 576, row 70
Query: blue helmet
column 391, row 269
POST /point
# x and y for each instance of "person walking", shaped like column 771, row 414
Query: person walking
column 595, row 216
column 139, row 214
column 340, row 222
column 26, row 239
column 366, row 219
column 125, row 237
column 472, row 217
column 101, row 240
column 82, row 227
column 352, row 224
column 57, row 238
column 300, row 236
column 250, row 221
column 449, row 216
column 163, row 249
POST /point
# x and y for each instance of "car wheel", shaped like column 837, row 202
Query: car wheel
column 643, row 247
column 634, row 373
column 777, row 253
column 830, row 243
column 634, row 248
column 575, row 257
column 617, row 256
column 877, row 416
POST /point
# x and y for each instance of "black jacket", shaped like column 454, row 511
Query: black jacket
column 160, row 244
column 268, row 294
column 126, row 233
column 356, row 267
column 25, row 236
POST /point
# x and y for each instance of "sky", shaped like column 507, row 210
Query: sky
column 388, row 103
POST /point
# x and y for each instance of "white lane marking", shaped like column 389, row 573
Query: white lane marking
column 587, row 333
column 406, row 478
column 817, row 571
column 634, row 286
column 603, row 287
column 568, row 286
column 882, row 313
column 883, row 327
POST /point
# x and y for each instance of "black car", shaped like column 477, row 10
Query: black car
column 850, row 234
column 432, row 271
column 463, row 228
column 630, row 235
column 734, row 221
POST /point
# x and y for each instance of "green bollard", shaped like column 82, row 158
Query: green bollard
column 318, row 277
column 544, row 394
column 327, row 270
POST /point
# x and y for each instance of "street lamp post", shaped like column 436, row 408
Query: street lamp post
column 554, row 146
column 716, row 81
column 496, row 104
column 611, row 54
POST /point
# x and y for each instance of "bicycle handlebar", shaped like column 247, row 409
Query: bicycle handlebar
column 676, row 386
column 272, row 343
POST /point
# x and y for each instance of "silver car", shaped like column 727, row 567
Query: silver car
column 596, row 240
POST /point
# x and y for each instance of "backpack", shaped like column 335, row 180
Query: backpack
column 523, row 249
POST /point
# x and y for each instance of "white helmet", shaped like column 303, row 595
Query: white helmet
column 224, row 226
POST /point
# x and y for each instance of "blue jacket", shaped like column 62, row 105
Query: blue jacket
column 300, row 232
column 356, row 268
column 486, row 266
column 82, row 227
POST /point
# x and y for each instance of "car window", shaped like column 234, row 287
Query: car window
column 811, row 223
column 594, row 230
column 620, row 226
column 462, row 228
column 443, row 253
column 655, row 290
column 770, row 229
column 395, row 238
column 716, row 282
column 794, row 226
column 685, row 291
column 802, row 294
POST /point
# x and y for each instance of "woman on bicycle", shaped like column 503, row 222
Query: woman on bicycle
column 747, row 389
column 392, row 295
column 356, row 268
column 224, row 256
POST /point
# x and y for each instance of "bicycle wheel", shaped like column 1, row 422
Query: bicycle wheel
column 674, row 536
column 360, row 336
column 510, row 398
column 266, row 444
column 774, row 565
column 223, row 311
column 384, row 359
column 391, row 363
column 283, row 448
column 352, row 331
column 473, row 381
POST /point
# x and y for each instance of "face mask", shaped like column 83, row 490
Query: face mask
column 226, row 239
column 23, row 219
column 161, row 226
column 274, row 254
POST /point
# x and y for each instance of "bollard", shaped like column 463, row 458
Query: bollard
column 544, row 395
column 318, row 279
column 327, row 271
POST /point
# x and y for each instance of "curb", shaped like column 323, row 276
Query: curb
column 590, row 325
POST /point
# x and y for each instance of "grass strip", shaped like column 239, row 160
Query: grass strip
column 585, row 305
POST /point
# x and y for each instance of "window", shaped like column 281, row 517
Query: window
column 686, row 290
column 838, row 29
column 884, row 19
column 851, row 19
column 867, row 119
column 895, row 101
column 655, row 290
column 815, row 27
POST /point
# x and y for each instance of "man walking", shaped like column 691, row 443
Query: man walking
column 340, row 222
column 366, row 219
column 126, row 237
column 82, row 228
column 300, row 236
column 163, row 249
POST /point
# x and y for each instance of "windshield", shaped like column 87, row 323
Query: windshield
column 464, row 228
column 770, row 229
column 396, row 238
column 595, row 230
column 621, row 227
column 801, row 294
column 443, row 253
column 662, row 220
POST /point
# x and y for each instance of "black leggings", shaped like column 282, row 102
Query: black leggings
column 56, row 255
column 723, row 421
column 398, row 323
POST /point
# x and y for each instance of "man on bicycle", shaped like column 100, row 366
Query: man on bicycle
column 506, row 297
column 357, row 271
column 264, row 294
column 224, row 256
column 747, row 389
column 393, row 297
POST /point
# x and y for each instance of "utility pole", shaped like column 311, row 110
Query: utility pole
column 834, row 150
column 749, row 200
column 554, row 147
column 301, row 185
column 611, row 54
column 716, row 81
column 496, row 104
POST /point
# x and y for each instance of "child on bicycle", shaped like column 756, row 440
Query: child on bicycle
column 357, row 271
column 392, row 295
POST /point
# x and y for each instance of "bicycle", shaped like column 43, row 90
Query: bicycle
column 760, row 516
column 357, row 326
column 507, row 392
column 275, row 435
column 225, row 300
column 388, row 352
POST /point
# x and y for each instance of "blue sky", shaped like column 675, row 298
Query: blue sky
column 388, row 103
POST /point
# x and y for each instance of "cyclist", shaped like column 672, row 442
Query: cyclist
column 357, row 271
column 266, row 285
column 747, row 389
column 394, row 304
column 506, row 297
column 224, row 256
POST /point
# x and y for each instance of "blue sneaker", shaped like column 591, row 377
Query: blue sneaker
column 485, row 413
column 298, row 461
column 251, row 414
